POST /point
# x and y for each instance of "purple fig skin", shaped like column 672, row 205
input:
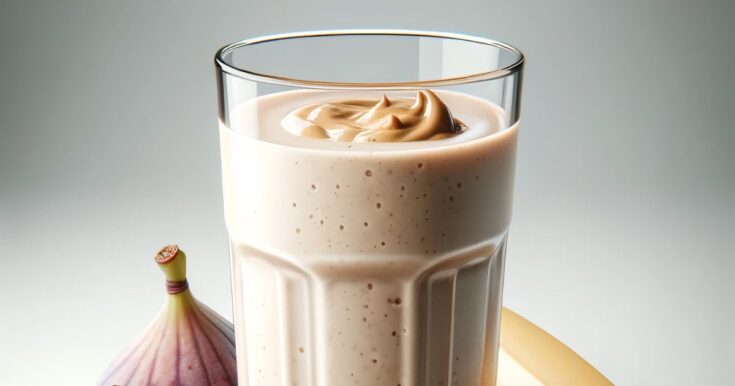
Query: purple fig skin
column 187, row 344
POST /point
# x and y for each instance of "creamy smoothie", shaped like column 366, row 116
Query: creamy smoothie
column 367, row 236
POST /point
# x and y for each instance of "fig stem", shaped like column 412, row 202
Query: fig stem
column 172, row 262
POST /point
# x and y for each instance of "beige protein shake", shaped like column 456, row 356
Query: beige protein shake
column 368, row 236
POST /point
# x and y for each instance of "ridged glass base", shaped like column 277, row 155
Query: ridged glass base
column 368, row 320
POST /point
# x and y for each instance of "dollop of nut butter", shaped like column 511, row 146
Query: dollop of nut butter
column 424, row 117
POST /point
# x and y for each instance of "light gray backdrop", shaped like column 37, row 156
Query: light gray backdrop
column 622, row 242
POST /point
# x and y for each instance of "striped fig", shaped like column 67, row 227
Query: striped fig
column 188, row 344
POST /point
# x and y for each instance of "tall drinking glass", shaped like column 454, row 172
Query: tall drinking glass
column 368, row 252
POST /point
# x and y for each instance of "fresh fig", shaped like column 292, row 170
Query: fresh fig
column 188, row 344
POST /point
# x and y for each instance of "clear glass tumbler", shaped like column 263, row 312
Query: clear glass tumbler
column 370, row 263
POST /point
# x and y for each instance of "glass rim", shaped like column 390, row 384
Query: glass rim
column 502, row 72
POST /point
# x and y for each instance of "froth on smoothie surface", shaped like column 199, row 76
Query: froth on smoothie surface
column 424, row 117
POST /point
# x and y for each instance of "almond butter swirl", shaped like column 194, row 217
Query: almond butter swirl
column 362, row 120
